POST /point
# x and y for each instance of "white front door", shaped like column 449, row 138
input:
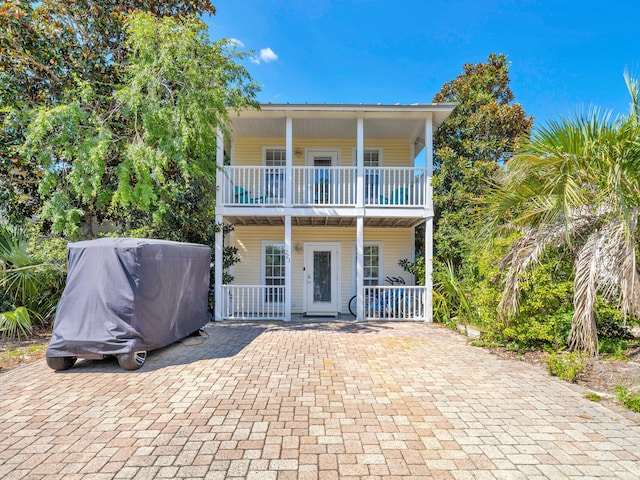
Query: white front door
column 322, row 278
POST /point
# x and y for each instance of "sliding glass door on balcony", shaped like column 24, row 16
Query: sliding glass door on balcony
column 320, row 180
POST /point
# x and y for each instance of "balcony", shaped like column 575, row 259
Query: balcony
column 323, row 187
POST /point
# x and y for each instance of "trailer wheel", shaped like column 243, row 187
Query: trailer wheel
column 61, row 363
column 132, row 361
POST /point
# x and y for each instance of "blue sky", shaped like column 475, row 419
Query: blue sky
column 565, row 55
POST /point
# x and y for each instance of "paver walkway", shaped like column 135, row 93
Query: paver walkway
column 310, row 401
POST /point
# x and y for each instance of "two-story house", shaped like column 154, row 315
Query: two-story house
column 324, row 200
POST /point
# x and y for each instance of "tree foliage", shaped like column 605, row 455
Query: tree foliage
column 576, row 185
column 102, row 154
column 470, row 146
column 50, row 53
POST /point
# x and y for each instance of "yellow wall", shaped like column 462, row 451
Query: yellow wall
column 397, row 244
column 396, row 153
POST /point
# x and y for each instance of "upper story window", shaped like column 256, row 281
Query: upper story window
column 275, row 157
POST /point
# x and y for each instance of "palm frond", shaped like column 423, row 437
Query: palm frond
column 619, row 280
column 583, row 335
column 633, row 86
column 15, row 324
column 525, row 253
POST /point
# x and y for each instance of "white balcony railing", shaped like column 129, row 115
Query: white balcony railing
column 394, row 186
column 253, row 186
column 252, row 302
column 323, row 186
column 397, row 302
column 326, row 186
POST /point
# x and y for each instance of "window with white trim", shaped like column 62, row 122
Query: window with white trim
column 274, row 258
column 371, row 270
column 372, row 264
column 274, row 177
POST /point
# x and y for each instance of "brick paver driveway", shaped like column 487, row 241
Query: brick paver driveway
column 310, row 401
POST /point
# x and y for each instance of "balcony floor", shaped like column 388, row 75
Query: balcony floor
column 324, row 221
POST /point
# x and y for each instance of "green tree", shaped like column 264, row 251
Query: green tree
column 177, row 88
column 470, row 146
column 48, row 49
column 576, row 184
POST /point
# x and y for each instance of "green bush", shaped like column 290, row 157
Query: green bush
column 613, row 348
column 544, row 317
column 567, row 366
column 16, row 323
column 32, row 279
column 631, row 400
column 610, row 323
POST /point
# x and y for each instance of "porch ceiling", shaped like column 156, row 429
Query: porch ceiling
column 328, row 221
column 340, row 121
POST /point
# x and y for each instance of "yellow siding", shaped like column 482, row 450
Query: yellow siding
column 248, row 151
column 396, row 244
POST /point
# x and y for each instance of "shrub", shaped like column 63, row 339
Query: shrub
column 15, row 324
column 613, row 348
column 631, row 400
column 567, row 366
column 31, row 276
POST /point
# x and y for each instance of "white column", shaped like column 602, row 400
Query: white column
column 288, row 268
column 360, row 268
column 218, row 254
column 288, row 199
column 428, row 231
column 360, row 220
column 218, row 251
column 360, row 164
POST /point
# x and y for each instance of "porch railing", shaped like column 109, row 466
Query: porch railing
column 252, row 302
column 326, row 186
column 253, row 186
column 323, row 186
column 394, row 186
column 396, row 302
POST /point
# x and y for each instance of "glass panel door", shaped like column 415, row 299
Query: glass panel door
column 320, row 189
column 322, row 180
column 322, row 278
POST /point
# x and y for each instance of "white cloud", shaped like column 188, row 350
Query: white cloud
column 237, row 42
column 267, row 55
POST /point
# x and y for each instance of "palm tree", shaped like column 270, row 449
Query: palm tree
column 28, row 283
column 577, row 183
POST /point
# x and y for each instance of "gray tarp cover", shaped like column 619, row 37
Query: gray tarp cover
column 128, row 294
